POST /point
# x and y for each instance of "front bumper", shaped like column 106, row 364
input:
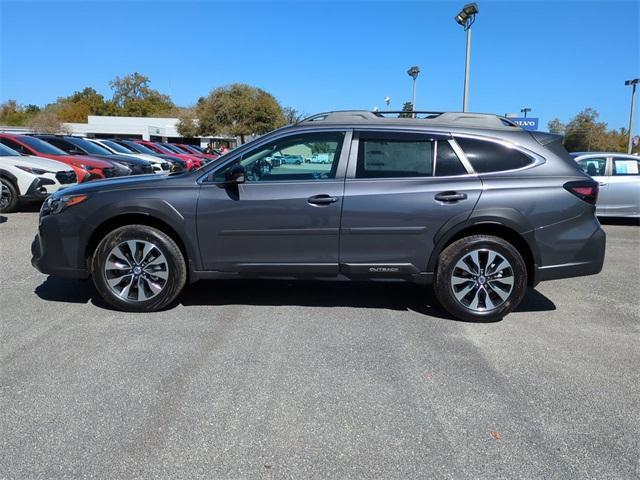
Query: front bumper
column 56, row 248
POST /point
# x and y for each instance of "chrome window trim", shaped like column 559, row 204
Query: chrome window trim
column 462, row 157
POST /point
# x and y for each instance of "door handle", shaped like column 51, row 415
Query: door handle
column 602, row 184
column 322, row 199
column 450, row 196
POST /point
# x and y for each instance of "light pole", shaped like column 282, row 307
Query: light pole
column 633, row 84
column 466, row 17
column 525, row 110
column 413, row 73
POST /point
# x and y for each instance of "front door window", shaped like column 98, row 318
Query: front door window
column 308, row 156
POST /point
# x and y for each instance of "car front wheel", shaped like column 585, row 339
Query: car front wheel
column 480, row 278
column 8, row 197
column 138, row 268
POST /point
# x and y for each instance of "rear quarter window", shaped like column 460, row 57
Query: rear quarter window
column 486, row 156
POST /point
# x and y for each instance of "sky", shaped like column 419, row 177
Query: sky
column 556, row 57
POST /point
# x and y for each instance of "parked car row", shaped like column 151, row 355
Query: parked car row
column 34, row 166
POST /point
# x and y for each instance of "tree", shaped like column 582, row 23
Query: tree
column 47, row 122
column 132, row 97
column 78, row 106
column 556, row 126
column 291, row 115
column 12, row 113
column 187, row 123
column 407, row 107
column 584, row 133
column 238, row 110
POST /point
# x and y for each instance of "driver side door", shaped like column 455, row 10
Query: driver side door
column 285, row 217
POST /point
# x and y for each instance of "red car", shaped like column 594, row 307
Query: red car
column 195, row 151
column 191, row 160
column 86, row 168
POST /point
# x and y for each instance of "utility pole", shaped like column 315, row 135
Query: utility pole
column 413, row 73
column 633, row 84
column 466, row 18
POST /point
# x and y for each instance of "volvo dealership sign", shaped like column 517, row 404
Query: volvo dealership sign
column 528, row 123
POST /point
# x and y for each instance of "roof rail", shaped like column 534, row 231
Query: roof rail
column 430, row 113
column 339, row 115
column 478, row 120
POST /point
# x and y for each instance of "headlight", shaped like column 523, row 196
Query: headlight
column 34, row 171
column 58, row 204
column 86, row 167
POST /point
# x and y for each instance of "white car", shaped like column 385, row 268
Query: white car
column 159, row 165
column 30, row 178
column 619, row 177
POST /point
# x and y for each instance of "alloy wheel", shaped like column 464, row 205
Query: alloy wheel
column 5, row 198
column 482, row 280
column 136, row 270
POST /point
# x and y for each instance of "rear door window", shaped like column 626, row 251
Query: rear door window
column 487, row 156
column 626, row 166
column 392, row 155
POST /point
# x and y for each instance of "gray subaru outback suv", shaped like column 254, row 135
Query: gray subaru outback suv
column 470, row 203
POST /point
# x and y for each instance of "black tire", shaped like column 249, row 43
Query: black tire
column 9, row 201
column 176, row 271
column 458, row 250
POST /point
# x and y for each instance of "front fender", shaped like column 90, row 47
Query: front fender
column 180, row 219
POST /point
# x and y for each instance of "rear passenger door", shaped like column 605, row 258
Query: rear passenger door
column 624, row 187
column 401, row 188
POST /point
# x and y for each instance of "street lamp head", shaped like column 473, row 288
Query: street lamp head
column 467, row 15
column 470, row 9
column 461, row 18
column 632, row 82
column 413, row 72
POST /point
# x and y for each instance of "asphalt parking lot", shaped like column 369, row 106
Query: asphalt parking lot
column 318, row 380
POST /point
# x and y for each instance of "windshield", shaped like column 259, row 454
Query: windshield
column 88, row 146
column 116, row 146
column 175, row 148
column 41, row 146
column 162, row 148
column 139, row 147
column 7, row 152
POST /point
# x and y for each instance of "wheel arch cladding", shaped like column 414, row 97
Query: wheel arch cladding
column 11, row 178
column 134, row 218
column 493, row 228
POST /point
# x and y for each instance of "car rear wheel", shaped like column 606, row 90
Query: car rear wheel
column 480, row 278
column 8, row 196
column 138, row 268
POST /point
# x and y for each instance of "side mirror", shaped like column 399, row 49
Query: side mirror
column 236, row 174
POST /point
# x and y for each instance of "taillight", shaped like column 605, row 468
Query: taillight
column 585, row 190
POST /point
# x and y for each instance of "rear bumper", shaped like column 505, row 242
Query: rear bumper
column 587, row 261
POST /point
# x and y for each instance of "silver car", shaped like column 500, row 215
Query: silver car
column 619, row 177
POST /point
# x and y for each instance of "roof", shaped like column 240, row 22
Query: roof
column 420, row 118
